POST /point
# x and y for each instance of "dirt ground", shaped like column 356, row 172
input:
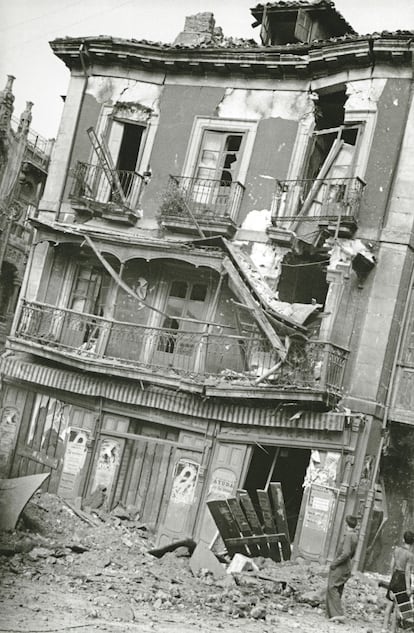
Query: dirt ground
column 62, row 573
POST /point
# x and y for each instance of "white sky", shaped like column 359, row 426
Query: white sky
column 26, row 27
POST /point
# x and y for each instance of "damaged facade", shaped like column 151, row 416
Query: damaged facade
column 221, row 267
column 24, row 158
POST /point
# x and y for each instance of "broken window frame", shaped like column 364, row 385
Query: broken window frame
column 226, row 127
column 292, row 198
column 111, row 129
column 338, row 131
column 191, row 281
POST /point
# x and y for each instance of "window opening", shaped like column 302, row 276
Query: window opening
column 88, row 296
column 198, row 292
column 7, row 279
column 279, row 464
column 217, row 168
column 219, row 156
column 128, row 156
column 179, row 289
column 303, row 279
column 186, row 299
column 167, row 343
column 90, row 290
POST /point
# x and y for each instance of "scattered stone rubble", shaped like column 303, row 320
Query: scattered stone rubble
column 106, row 558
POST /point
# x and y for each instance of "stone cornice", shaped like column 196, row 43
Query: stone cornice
column 290, row 60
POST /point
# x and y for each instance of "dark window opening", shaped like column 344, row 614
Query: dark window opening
column 167, row 340
column 279, row 464
column 128, row 155
column 179, row 289
column 330, row 109
column 7, row 279
column 302, row 280
column 198, row 292
column 130, row 145
column 232, row 146
column 329, row 116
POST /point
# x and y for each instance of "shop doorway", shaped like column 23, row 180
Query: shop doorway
column 285, row 465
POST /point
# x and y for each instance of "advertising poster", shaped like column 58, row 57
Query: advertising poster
column 185, row 481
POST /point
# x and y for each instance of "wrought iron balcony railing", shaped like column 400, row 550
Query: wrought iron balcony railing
column 207, row 200
column 91, row 186
column 320, row 199
column 201, row 352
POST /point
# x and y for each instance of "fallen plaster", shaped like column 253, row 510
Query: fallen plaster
column 118, row 90
column 265, row 104
column 266, row 257
column 364, row 94
column 344, row 250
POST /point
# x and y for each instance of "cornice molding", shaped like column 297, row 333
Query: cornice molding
column 290, row 60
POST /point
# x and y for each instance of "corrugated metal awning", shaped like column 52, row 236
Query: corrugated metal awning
column 164, row 399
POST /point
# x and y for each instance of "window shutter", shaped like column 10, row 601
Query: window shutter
column 303, row 26
column 265, row 29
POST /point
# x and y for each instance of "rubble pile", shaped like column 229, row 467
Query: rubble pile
column 105, row 559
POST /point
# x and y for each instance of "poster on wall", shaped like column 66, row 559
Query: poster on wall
column 73, row 461
column 9, row 417
column 107, row 464
column 323, row 468
column 222, row 485
column 185, row 481
column 320, row 508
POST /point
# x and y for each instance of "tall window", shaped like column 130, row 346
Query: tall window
column 89, row 290
column 129, row 151
column 185, row 299
column 219, row 156
column 217, row 168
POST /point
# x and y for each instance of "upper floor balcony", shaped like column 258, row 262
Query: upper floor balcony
column 38, row 148
column 111, row 195
column 211, row 205
column 189, row 353
column 332, row 203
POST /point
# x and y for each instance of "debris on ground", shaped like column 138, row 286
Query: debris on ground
column 109, row 564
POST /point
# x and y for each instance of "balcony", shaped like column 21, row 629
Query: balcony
column 112, row 198
column 199, row 357
column 332, row 203
column 212, row 205
column 38, row 148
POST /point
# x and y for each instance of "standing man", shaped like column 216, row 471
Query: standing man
column 340, row 571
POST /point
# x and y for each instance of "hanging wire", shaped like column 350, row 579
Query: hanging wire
column 323, row 261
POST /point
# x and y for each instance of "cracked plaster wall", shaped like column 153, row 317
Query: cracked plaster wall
column 263, row 104
column 118, row 90
column 363, row 95
column 278, row 114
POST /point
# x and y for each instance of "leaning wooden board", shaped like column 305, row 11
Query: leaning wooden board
column 254, row 533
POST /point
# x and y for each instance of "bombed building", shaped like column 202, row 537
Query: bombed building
column 218, row 295
column 24, row 159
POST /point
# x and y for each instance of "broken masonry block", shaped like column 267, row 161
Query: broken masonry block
column 241, row 563
column 203, row 558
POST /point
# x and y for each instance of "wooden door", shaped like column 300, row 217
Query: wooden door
column 183, row 489
column 223, row 480
column 41, row 441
